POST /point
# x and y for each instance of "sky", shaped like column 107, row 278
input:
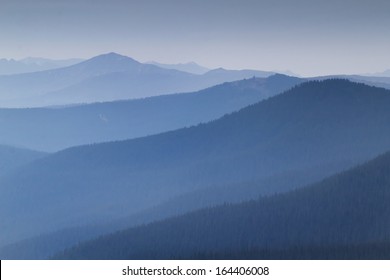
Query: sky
column 307, row 37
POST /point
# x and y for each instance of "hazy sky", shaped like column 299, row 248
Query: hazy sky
column 309, row 37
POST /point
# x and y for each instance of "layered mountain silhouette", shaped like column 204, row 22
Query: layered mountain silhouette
column 343, row 217
column 106, row 77
column 52, row 129
column 315, row 125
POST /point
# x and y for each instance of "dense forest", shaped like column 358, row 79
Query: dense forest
column 344, row 216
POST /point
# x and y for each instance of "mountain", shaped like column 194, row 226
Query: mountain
column 315, row 125
column 52, row 129
column 11, row 158
column 21, row 89
column 106, row 77
column 190, row 67
column 33, row 64
column 343, row 217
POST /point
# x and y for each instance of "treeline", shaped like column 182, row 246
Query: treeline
column 369, row 251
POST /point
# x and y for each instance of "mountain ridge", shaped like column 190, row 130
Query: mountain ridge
column 52, row 129
column 190, row 67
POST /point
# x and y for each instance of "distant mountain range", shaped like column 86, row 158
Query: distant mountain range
column 52, row 129
column 343, row 217
column 112, row 77
column 325, row 126
column 106, row 77
column 33, row 64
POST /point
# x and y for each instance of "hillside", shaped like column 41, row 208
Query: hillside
column 53, row 129
column 344, row 216
column 316, row 125
column 12, row 158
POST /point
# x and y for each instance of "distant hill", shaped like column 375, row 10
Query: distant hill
column 232, row 74
column 106, row 77
column 315, row 125
column 385, row 73
column 11, row 158
column 190, row 67
column 52, row 129
column 343, row 217
column 33, row 64
column 383, row 82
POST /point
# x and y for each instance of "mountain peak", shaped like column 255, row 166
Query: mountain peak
column 110, row 62
column 112, row 56
column 217, row 70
